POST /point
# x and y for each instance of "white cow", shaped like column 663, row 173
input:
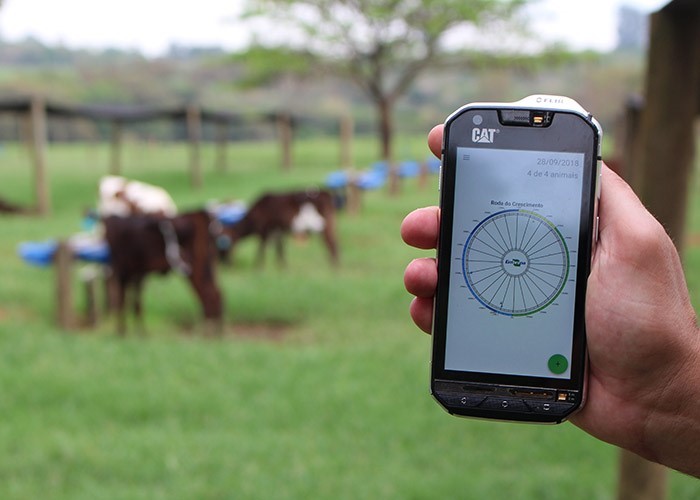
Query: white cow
column 123, row 197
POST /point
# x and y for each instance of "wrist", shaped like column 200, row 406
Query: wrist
column 672, row 430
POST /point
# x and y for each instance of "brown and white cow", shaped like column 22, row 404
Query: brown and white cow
column 275, row 215
column 144, row 244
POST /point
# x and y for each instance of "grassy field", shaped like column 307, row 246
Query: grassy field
column 319, row 388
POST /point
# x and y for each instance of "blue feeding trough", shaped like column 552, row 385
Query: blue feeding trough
column 230, row 214
column 38, row 253
column 380, row 167
column 409, row 169
column 337, row 180
column 42, row 253
column 433, row 165
column 97, row 252
column 373, row 179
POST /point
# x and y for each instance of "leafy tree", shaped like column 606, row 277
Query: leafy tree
column 381, row 45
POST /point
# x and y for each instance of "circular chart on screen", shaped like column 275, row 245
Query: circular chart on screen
column 515, row 262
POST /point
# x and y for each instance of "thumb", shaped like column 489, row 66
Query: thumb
column 621, row 211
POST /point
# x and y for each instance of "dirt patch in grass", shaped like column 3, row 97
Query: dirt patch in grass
column 264, row 331
column 694, row 240
column 274, row 331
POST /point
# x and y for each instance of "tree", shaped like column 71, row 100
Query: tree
column 381, row 45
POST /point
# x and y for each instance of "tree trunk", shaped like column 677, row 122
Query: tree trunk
column 386, row 128
column 666, row 140
column 385, row 108
column 37, row 140
column 639, row 479
column 194, row 134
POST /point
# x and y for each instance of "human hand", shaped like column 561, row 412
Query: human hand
column 643, row 339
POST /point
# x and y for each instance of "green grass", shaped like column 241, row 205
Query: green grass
column 319, row 388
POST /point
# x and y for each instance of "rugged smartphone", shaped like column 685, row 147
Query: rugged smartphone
column 519, row 189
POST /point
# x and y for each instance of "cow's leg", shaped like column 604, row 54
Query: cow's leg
column 209, row 296
column 137, row 297
column 111, row 285
column 329, row 237
column 213, row 310
column 260, row 260
column 279, row 247
column 120, row 289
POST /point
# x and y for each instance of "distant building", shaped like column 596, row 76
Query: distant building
column 632, row 29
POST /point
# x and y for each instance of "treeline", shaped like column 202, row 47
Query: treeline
column 108, row 76
column 32, row 52
column 209, row 76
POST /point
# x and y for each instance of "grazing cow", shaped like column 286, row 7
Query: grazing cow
column 144, row 244
column 10, row 208
column 124, row 197
column 274, row 215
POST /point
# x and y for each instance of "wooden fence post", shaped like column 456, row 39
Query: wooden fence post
column 38, row 139
column 623, row 158
column 92, row 314
column 640, row 479
column 347, row 127
column 423, row 175
column 194, row 133
column 222, row 143
column 284, row 132
column 665, row 143
column 63, row 262
column 354, row 195
column 394, row 179
column 117, row 133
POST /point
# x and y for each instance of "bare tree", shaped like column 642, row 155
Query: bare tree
column 381, row 45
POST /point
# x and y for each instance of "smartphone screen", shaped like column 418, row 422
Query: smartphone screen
column 515, row 238
column 518, row 203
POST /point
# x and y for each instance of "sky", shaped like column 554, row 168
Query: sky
column 151, row 26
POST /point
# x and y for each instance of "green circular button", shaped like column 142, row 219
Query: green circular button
column 558, row 364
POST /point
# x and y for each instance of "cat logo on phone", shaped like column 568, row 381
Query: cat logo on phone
column 483, row 135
